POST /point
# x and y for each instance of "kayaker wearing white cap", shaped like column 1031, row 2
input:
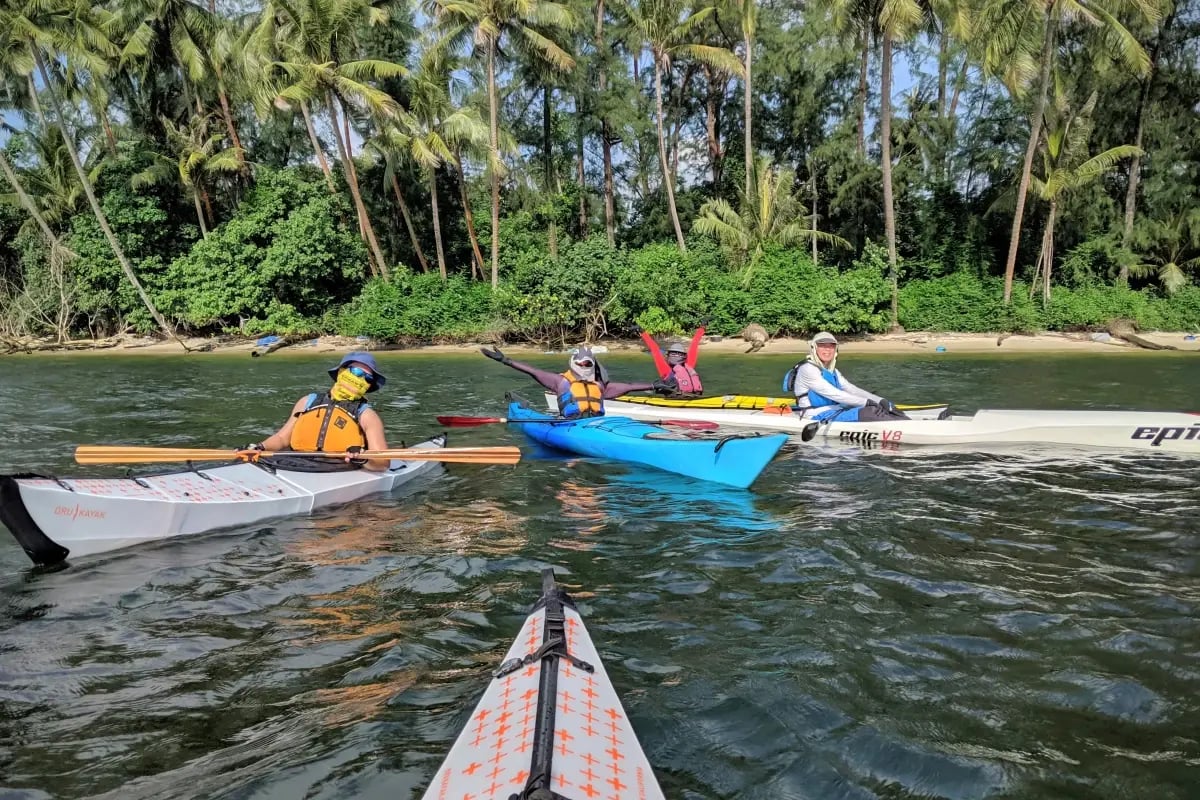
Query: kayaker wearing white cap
column 823, row 393
column 582, row 389
column 339, row 419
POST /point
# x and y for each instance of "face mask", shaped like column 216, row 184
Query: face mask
column 349, row 387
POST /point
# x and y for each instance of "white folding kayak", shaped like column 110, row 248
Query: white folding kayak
column 1153, row 431
column 52, row 518
column 550, row 724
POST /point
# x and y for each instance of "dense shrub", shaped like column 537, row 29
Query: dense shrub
column 418, row 307
column 280, row 262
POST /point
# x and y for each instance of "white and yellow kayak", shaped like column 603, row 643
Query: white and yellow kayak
column 52, row 517
column 1152, row 431
column 550, row 724
column 751, row 402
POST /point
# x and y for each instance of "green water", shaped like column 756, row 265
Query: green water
column 860, row 625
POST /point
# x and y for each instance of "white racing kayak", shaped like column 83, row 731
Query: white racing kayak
column 550, row 724
column 52, row 518
column 1154, row 431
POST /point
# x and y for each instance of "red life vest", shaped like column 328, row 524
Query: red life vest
column 687, row 379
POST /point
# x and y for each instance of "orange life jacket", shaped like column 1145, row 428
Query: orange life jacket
column 581, row 398
column 327, row 426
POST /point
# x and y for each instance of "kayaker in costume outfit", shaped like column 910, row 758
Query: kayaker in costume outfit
column 339, row 419
column 582, row 389
column 677, row 368
column 823, row 393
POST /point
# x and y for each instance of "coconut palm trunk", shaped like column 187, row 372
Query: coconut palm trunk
column 317, row 151
column 885, row 142
column 662, row 153
column 861, row 100
column 408, row 224
column 1035, row 131
column 27, row 203
column 352, row 182
column 494, row 159
column 101, row 219
column 610, row 225
column 469, row 216
column 199, row 213
column 437, row 223
column 747, row 90
column 1135, row 166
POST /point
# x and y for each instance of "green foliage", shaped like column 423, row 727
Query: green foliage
column 788, row 293
column 150, row 230
column 549, row 298
column 417, row 307
column 962, row 302
column 289, row 246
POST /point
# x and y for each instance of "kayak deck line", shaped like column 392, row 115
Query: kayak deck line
column 52, row 517
column 549, row 724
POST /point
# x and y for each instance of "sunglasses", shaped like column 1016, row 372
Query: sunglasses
column 585, row 364
column 359, row 372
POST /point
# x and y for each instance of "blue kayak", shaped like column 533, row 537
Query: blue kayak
column 732, row 460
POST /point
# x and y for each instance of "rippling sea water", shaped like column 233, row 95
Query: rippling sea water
column 863, row 624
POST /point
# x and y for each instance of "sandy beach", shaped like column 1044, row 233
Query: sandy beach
column 910, row 343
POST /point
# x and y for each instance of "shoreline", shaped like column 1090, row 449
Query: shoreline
column 910, row 343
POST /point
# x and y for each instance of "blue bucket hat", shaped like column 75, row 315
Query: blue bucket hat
column 367, row 360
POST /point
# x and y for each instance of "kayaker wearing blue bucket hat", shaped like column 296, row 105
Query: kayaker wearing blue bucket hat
column 339, row 419
column 582, row 389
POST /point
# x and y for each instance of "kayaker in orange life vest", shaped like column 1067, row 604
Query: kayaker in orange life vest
column 582, row 389
column 339, row 419
column 677, row 368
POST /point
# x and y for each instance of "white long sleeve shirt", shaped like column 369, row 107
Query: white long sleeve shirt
column 809, row 378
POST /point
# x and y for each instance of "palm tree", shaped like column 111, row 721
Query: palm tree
column 391, row 144
column 439, row 128
column 1135, row 167
column 774, row 215
column 74, row 30
column 489, row 24
column 749, row 19
column 1066, row 168
column 667, row 27
column 316, row 39
column 196, row 156
column 1018, row 29
column 1171, row 247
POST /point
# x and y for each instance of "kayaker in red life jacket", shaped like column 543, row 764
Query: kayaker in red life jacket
column 824, row 394
column 339, row 419
column 582, row 389
column 677, row 368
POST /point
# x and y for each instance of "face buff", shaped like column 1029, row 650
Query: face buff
column 581, row 358
column 349, row 387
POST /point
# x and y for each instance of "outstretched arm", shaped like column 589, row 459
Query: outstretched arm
column 694, row 349
column 549, row 380
column 660, row 363
column 612, row 390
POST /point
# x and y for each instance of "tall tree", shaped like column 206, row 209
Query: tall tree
column 1067, row 167
column 669, row 29
column 489, row 24
column 317, row 41
column 74, row 30
column 1015, row 28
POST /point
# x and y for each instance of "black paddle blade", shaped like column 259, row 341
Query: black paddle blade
column 810, row 431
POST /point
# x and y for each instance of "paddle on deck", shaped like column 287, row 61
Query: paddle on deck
column 117, row 454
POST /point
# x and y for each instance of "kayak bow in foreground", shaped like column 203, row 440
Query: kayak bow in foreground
column 550, row 724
